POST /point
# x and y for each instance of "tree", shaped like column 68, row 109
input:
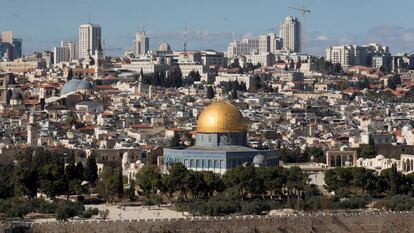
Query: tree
column 194, row 182
column 53, row 180
column 91, row 171
column 68, row 209
column 148, row 179
column 178, row 174
column 213, row 182
column 299, row 63
column 71, row 118
column 25, row 181
column 274, row 179
column 6, row 179
column 245, row 180
column 316, row 153
column 131, row 192
column 120, row 183
column 70, row 75
column 296, row 182
column 195, row 75
column 234, row 93
column 210, row 92
column 108, row 186
column 175, row 141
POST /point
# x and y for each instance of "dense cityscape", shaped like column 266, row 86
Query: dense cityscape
column 263, row 129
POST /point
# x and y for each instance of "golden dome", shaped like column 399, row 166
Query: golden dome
column 221, row 117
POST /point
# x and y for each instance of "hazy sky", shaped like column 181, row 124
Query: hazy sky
column 43, row 23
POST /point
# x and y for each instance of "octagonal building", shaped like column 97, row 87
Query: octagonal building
column 221, row 143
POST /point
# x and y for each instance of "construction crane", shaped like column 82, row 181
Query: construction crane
column 304, row 11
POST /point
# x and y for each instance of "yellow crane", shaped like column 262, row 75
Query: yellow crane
column 304, row 11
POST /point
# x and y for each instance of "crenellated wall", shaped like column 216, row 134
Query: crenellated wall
column 317, row 222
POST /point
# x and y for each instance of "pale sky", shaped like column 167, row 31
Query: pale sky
column 43, row 23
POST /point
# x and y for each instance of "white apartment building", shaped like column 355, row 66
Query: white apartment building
column 241, row 48
column 247, row 79
column 265, row 59
column 290, row 32
column 148, row 65
column 89, row 39
column 352, row 55
column 213, row 58
column 141, row 44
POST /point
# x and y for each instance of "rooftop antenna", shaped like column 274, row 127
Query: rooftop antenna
column 89, row 16
column 185, row 40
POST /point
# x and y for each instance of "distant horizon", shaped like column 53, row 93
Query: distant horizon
column 210, row 24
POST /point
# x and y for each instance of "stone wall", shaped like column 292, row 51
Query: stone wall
column 318, row 222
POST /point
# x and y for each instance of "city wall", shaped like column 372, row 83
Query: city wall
column 319, row 222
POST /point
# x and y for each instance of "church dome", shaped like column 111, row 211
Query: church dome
column 76, row 85
column 16, row 96
column 221, row 117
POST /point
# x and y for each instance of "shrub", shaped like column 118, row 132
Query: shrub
column 350, row 203
column 254, row 207
column 88, row 213
column 68, row 209
column 396, row 203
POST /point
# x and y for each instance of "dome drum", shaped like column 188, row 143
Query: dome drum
column 221, row 139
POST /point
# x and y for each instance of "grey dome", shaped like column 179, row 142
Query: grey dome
column 76, row 85
column 259, row 159
column 16, row 96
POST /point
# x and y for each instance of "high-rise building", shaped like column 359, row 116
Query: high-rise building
column 290, row 30
column 89, row 39
column 264, row 44
column 73, row 49
column 7, row 37
column 61, row 54
column 10, row 47
column 141, row 44
column 17, row 48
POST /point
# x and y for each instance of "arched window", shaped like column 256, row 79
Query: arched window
column 216, row 164
column 209, row 164
column 192, row 163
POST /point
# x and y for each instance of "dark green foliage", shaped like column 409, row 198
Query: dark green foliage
column 89, row 212
column 109, row 186
column 91, row 170
column 396, row 203
column 18, row 208
column 148, row 179
column 210, row 92
column 6, row 181
column 175, row 141
column 195, row 75
column 131, row 192
column 316, row 153
column 67, row 209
